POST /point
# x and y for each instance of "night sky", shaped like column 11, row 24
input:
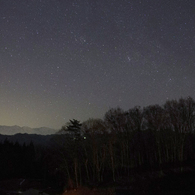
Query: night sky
column 65, row 59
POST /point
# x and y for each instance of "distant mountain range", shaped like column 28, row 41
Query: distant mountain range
column 39, row 136
column 12, row 130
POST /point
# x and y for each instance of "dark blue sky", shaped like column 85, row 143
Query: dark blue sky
column 76, row 59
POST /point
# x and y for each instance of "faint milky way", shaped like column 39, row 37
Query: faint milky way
column 76, row 59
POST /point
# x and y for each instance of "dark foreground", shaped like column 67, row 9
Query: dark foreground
column 173, row 182
column 165, row 183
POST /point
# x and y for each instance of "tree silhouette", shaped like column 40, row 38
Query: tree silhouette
column 74, row 128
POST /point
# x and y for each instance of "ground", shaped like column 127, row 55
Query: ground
column 87, row 191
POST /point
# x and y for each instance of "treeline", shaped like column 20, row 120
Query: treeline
column 101, row 150
column 153, row 138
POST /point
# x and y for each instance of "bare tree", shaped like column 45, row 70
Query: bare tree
column 181, row 115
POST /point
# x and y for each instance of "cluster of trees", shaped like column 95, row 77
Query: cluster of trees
column 17, row 160
column 100, row 150
column 155, row 137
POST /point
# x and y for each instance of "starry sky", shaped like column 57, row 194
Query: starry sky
column 62, row 59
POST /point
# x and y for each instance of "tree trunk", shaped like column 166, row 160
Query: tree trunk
column 76, row 172
column 112, row 161
column 86, row 168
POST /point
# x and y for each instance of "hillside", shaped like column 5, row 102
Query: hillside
column 27, row 138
